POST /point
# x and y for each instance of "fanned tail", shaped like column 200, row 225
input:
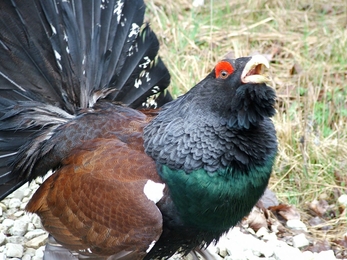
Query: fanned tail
column 59, row 57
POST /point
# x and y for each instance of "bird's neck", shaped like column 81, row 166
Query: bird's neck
column 215, row 202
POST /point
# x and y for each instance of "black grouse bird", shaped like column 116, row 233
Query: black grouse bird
column 137, row 175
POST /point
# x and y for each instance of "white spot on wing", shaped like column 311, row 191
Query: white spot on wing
column 154, row 191
column 151, row 246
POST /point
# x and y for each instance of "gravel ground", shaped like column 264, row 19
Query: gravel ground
column 23, row 237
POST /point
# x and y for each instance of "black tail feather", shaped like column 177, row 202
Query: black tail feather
column 58, row 57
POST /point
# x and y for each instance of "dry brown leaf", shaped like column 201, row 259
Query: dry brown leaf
column 287, row 212
column 295, row 69
column 319, row 207
column 319, row 246
column 256, row 219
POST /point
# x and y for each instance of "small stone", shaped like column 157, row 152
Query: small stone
column 222, row 246
column 14, row 250
column 14, row 203
column 296, row 224
column 3, row 206
column 40, row 251
column 35, row 219
column 36, row 242
column 25, row 199
column 5, row 203
column 26, row 257
column 31, row 227
column 30, row 251
column 342, row 200
column 19, row 213
column 15, row 239
column 262, row 232
column 36, row 258
column 18, row 194
column 308, row 255
column 34, row 233
column 197, row 3
column 325, row 255
column 19, row 228
column 2, row 239
column 284, row 252
column 300, row 241
column 269, row 236
column 6, row 225
column 23, row 205
column 33, row 185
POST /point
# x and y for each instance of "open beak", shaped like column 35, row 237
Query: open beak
column 254, row 69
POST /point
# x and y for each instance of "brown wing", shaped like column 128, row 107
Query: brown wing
column 96, row 202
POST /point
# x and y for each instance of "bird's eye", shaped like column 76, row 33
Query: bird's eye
column 224, row 69
column 223, row 74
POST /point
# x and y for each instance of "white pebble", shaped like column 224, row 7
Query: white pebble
column 286, row 252
column 34, row 233
column 14, row 203
column 40, row 251
column 14, row 250
column 343, row 200
column 296, row 224
column 7, row 223
column 15, row 239
column 38, row 241
column 308, row 255
column 18, row 194
column 19, row 228
column 325, row 255
column 300, row 241
column 19, row 213
column 35, row 219
column 2, row 239
column 30, row 251
column 262, row 232
column 26, row 257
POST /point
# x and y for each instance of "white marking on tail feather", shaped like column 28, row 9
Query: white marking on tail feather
column 147, row 77
column 58, row 59
column 155, row 89
column 118, row 10
column 135, row 29
column 138, row 83
column 54, row 31
column 145, row 64
column 154, row 191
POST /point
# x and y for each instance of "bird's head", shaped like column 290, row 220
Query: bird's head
column 237, row 90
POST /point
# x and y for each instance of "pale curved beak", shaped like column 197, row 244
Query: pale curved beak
column 254, row 69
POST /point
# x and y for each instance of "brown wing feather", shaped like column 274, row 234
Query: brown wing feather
column 95, row 200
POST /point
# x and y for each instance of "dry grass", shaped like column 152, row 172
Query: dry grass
column 307, row 44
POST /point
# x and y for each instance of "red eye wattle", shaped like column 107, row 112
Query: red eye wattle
column 224, row 69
